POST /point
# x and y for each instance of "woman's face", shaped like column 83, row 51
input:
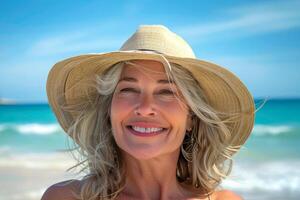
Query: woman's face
column 148, row 119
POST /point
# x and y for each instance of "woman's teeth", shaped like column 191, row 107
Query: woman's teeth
column 146, row 130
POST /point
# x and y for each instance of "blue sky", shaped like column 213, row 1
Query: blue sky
column 258, row 40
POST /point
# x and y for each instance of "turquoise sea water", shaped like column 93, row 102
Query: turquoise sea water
column 32, row 128
column 276, row 134
column 29, row 128
column 269, row 163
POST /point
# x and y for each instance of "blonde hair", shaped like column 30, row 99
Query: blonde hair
column 205, row 149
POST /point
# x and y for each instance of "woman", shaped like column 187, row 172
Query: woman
column 150, row 121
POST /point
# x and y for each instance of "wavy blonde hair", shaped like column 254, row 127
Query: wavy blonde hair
column 205, row 156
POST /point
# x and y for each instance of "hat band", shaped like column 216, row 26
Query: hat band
column 151, row 50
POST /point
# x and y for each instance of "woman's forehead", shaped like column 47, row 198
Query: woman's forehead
column 149, row 67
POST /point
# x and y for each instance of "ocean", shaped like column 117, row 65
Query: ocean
column 267, row 167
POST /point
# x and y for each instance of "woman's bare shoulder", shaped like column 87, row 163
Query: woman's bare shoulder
column 62, row 190
column 226, row 195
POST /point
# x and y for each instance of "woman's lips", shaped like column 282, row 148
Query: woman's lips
column 145, row 134
column 142, row 126
column 146, row 124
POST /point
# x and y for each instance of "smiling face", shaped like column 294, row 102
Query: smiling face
column 148, row 115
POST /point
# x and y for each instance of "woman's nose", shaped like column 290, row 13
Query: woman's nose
column 145, row 106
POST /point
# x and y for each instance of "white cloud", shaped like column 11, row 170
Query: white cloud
column 250, row 19
column 69, row 42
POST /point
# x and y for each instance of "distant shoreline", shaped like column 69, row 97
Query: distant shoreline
column 24, row 104
column 4, row 101
column 7, row 101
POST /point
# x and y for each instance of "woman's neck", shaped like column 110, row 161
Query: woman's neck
column 152, row 179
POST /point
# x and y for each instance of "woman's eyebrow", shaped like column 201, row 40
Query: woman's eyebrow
column 131, row 79
column 128, row 79
column 165, row 81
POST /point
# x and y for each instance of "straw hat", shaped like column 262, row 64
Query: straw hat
column 223, row 90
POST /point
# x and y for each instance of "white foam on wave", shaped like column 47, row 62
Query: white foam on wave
column 31, row 128
column 261, row 129
column 273, row 176
column 38, row 129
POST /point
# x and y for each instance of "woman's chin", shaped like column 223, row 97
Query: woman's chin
column 143, row 154
column 149, row 152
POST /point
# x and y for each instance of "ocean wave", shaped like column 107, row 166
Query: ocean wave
column 31, row 128
column 274, row 176
column 40, row 129
column 261, row 129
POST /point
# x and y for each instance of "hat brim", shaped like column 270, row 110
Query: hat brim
column 223, row 90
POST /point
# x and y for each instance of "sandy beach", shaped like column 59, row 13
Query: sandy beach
column 28, row 176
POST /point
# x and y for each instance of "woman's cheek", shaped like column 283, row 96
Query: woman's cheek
column 172, row 106
column 121, row 104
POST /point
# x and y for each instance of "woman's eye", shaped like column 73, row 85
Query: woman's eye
column 166, row 92
column 128, row 90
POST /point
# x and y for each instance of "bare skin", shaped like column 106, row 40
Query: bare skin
column 64, row 191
